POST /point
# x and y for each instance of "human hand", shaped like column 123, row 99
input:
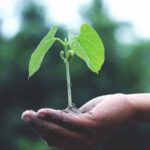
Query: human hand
column 100, row 117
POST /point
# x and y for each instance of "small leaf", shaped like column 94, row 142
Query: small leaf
column 39, row 53
column 89, row 47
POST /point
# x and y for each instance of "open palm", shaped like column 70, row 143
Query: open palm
column 100, row 118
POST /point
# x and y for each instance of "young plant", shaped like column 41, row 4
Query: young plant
column 87, row 46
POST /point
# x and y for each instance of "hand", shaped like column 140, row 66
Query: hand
column 100, row 118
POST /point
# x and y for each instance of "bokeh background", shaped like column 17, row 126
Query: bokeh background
column 126, row 70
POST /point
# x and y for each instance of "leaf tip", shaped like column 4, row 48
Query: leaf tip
column 97, row 72
column 29, row 76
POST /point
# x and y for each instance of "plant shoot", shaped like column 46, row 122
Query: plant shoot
column 87, row 46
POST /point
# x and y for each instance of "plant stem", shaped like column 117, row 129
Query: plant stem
column 65, row 44
column 59, row 40
column 68, row 85
column 68, row 78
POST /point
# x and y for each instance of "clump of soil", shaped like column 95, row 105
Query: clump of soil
column 73, row 109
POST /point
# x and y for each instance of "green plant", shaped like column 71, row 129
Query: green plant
column 87, row 46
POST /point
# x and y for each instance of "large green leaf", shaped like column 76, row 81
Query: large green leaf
column 39, row 53
column 89, row 47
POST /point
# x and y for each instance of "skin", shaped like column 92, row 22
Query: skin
column 100, row 118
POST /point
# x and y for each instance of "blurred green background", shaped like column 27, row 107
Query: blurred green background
column 126, row 70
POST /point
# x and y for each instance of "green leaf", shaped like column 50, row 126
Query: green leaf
column 89, row 47
column 39, row 53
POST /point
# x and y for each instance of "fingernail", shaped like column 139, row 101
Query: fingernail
column 26, row 118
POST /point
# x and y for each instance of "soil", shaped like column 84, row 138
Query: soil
column 73, row 109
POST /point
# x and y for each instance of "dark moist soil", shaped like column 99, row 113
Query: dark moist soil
column 73, row 109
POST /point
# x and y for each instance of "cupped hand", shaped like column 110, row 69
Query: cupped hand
column 99, row 118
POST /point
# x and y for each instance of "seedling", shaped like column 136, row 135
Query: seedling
column 87, row 46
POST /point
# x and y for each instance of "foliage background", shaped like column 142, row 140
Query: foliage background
column 126, row 70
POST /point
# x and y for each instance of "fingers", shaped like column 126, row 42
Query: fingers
column 92, row 103
column 59, row 136
column 30, row 117
column 78, row 122
column 54, row 134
